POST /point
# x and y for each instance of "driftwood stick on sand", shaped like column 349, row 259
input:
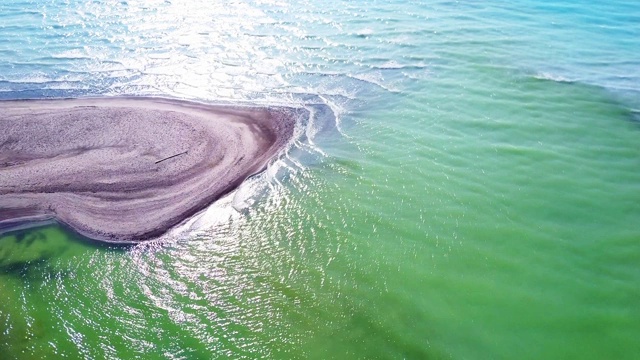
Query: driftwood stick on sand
column 90, row 163
column 171, row 157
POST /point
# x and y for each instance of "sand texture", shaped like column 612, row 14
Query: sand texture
column 125, row 170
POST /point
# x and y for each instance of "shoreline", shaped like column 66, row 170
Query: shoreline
column 128, row 169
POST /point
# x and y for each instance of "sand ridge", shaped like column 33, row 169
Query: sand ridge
column 126, row 170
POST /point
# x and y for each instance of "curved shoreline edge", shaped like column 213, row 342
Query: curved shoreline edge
column 126, row 170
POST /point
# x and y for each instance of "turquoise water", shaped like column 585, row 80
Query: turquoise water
column 467, row 186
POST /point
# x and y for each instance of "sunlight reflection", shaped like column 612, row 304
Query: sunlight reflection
column 209, row 51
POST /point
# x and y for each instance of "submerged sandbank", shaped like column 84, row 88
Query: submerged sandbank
column 125, row 170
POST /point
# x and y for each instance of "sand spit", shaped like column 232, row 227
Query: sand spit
column 125, row 170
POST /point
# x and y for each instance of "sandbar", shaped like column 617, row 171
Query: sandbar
column 126, row 170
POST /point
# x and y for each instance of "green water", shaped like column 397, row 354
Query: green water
column 493, row 224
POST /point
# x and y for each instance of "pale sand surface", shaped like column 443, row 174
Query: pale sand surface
column 107, row 167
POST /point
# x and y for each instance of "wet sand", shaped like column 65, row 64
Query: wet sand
column 125, row 170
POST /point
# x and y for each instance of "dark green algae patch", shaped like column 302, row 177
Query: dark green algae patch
column 28, row 259
column 32, row 258
column 32, row 246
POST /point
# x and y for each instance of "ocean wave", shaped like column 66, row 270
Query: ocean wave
column 552, row 77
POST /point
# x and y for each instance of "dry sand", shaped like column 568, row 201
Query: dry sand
column 125, row 170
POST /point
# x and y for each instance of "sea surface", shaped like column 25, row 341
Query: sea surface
column 467, row 185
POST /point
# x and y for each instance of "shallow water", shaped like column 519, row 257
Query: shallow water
column 466, row 187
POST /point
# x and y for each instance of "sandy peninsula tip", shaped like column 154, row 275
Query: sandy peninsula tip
column 126, row 170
